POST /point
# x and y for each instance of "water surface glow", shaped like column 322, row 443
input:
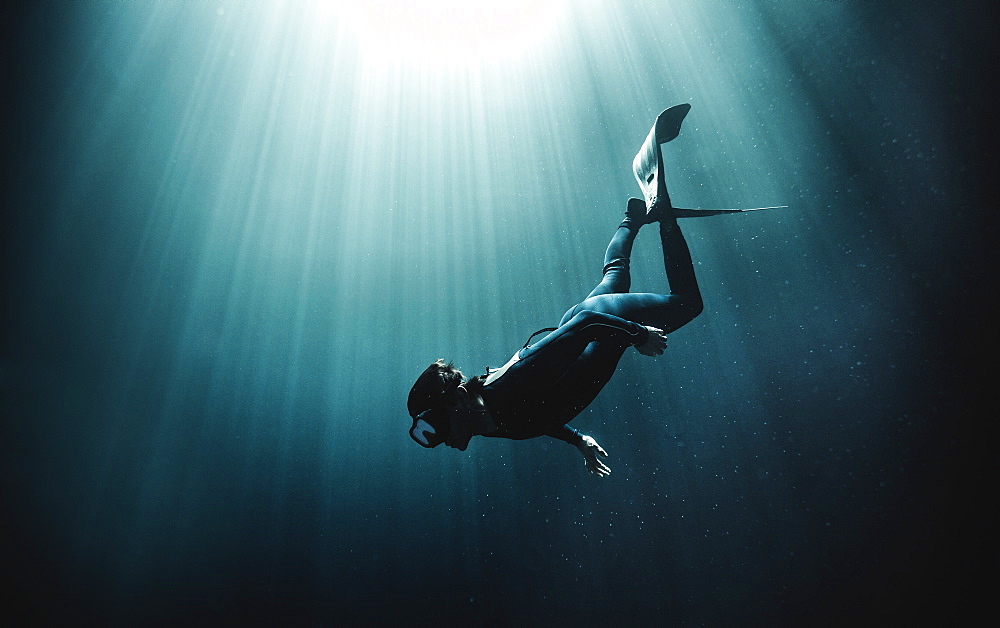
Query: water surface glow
column 449, row 32
column 243, row 228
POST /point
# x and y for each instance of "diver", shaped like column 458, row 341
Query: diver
column 548, row 383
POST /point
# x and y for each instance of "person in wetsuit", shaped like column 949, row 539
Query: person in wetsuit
column 546, row 384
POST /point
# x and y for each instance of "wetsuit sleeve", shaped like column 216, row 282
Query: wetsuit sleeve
column 566, row 434
column 600, row 326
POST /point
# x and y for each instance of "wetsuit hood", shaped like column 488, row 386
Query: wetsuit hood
column 427, row 403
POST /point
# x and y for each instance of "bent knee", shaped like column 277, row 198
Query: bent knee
column 689, row 308
column 695, row 307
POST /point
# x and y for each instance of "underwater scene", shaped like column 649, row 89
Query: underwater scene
column 236, row 232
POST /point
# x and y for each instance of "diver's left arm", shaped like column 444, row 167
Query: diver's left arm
column 587, row 446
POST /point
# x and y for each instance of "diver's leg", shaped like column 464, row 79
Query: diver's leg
column 665, row 311
column 617, row 277
column 678, row 265
column 616, row 259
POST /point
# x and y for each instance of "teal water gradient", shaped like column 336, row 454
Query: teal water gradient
column 234, row 241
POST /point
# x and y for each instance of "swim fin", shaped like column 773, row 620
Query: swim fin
column 648, row 163
column 699, row 213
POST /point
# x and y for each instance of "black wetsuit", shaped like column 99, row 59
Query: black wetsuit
column 557, row 377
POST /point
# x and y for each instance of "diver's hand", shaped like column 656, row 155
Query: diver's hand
column 591, row 450
column 655, row 343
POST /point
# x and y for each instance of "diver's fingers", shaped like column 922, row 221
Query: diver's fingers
column 597, row 467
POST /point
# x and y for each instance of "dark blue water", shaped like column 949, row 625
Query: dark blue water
column 234, row 233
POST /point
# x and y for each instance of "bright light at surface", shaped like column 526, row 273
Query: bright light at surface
column 450, row 31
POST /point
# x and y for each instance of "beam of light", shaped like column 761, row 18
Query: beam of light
column 449, row 32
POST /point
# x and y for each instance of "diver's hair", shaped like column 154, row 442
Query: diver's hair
column 434, row 386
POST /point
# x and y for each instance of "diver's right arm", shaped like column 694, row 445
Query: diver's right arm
column 647, row 340
column 587, row 446
column 600, row 326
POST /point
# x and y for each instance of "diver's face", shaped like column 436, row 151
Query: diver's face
column 425, row 435
column 453, row 440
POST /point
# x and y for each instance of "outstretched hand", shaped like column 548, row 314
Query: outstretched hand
column 655, row 343
column 591, row 450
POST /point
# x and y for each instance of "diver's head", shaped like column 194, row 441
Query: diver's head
column 429, row 401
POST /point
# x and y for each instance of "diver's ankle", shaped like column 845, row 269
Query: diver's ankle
column 667, row 219
column 635, row 213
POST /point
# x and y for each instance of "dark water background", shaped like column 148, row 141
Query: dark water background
column 230, row 244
